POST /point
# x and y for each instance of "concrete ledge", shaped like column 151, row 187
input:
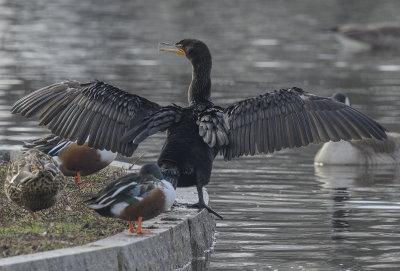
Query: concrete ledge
column 183, row 236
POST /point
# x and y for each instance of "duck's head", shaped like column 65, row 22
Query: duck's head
column 152, row 170
column 341, row 97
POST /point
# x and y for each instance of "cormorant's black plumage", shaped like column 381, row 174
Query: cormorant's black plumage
column 118, row 121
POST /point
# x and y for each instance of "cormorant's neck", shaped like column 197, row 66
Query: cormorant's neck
column 200, row 87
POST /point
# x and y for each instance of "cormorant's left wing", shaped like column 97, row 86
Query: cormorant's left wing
column 284, row 119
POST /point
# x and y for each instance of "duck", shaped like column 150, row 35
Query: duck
column 373, row 36
column 135, row 197
column 115, row 120
column 367, row 151
column 34, row 181
column 73, row 160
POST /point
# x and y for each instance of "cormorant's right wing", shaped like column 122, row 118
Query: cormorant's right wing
column 95, row 112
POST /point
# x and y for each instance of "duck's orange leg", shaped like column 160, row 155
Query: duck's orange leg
column 33, row 215
column 78, row 178
column 139, row 227
column 131, row 228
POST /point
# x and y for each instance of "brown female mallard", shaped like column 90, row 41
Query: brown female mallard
column 34, row 181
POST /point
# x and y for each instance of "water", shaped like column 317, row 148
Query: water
column 280, row 212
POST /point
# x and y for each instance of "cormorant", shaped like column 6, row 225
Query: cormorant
column 115, row 120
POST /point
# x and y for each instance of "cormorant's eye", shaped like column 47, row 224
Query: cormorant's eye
column 179, row 45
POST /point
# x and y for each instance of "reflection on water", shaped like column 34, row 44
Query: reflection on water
column 280, row 213
column 339, row 218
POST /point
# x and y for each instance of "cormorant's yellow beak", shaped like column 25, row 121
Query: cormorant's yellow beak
column 167, row 47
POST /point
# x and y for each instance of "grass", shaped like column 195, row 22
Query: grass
column 68, row 223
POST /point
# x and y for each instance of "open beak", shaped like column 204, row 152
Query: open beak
column 172, row 48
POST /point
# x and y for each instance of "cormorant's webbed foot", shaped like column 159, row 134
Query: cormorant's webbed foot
column 203, row 205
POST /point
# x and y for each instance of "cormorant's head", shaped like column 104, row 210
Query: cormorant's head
column 195, row 50
column 152, row 170
column 341, row 97
column 199, row 56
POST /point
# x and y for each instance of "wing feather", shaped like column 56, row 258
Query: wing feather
column 291, row 118
column 77, row 111
column 251, row 138
column 278, row 134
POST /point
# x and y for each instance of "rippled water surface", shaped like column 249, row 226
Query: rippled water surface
column 280, row 212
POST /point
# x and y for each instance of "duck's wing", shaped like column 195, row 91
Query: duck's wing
column 95, row 111
column 286, row 118
column 50, row 144
column 30, row 163
column 105, row 196
column 129, row 188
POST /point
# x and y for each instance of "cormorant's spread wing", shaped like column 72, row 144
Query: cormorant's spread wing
column 95, row 111
column 213, row 128
column 291, row 118
column 159, row 121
